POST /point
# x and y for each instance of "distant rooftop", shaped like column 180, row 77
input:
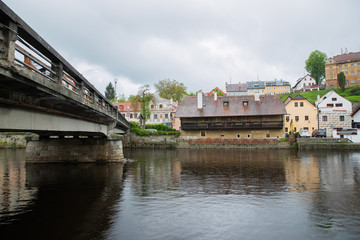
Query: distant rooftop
column 347, row 57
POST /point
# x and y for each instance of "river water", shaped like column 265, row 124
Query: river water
column 184, row 194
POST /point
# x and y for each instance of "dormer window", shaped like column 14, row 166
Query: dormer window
column 121, row 106
column 245, row 103
column 226, row 103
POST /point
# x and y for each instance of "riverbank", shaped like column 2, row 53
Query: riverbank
column 13, row 140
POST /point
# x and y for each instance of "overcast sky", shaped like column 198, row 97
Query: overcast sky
column 201, row 43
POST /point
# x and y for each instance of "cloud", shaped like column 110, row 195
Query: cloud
column 202, row 43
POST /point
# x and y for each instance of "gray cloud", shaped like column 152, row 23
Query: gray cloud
column 201, row 43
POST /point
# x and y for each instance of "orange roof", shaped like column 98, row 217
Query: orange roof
column 347, row 57
column 215, row 89
column 127, row 106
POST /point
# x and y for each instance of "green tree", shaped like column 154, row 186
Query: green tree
column 341, row 79
column 143, row 97
column 315, row 65
column 171, row 89
column 110, row 92
column 121, row 98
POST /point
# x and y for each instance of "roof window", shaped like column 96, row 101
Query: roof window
column 226, row 103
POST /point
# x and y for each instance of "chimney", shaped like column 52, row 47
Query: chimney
column 257, row 97
column 215, row 96
column 199, row 100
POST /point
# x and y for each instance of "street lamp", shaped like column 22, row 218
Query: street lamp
column 115, row 81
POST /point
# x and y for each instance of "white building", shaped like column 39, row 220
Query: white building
column 306, row 83
column 334, row 112
column 356, row 117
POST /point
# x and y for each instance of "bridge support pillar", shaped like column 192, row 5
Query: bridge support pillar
column 74, row 150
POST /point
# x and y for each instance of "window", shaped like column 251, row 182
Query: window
column 334, row 99
column 280, row 88
column 294, row 129
column 296, row 104
column 131, row 115
column 352, row 65
column 222, row 135
column 346, row 66
column 338, row 105
column 358, row 72
column 249, row 135
column 340, row 67
column 274, row 88
column 296, row 118
column 301, row 104
column 286, row 88
column 166, row 115
column 330, row 68
column 287, row 118
column 352, row 80
column 306, row 128
column 160, row 106
column 135, row 115
column 202, row 133
column 286, row 129
column 268, row 135
column 331, row 83
column 306, row 118
column 358, row 65
column 331, row 75
column 330, row 105
column 342, row 118
column 238, row 136
column 152, row 106
column 346, row 74
column 269, row 88
column 155, row 116
column 250, row 91
column 226, row 104
column 121, row 106
column 324, row 118
column 352, row 73
column 245, row 103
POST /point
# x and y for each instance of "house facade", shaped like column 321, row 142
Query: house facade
column 334, row 112
column 306, row 83
column 348, row 63
column 252, row 88
column 356, row 117
column 302, row 113
column 232, row 117
column 162, row 111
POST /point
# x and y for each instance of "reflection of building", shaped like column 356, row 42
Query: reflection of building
column 304, row 174
column 250, row 117
column 349, row 63
column 334, row 112
column 14, row 195
column 302, row 113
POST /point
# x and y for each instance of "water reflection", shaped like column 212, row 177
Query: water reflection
column 67, row 201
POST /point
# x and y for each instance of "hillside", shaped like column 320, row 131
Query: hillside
column 351, row 93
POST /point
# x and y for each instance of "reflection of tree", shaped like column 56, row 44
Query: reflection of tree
column 73, row 201
column 220, row 171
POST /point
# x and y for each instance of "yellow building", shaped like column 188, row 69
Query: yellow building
column 348, row 63
column 302, row 113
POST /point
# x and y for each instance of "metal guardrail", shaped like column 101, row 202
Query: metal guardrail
column 35, row 54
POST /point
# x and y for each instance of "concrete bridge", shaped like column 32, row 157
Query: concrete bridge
column 41, row 93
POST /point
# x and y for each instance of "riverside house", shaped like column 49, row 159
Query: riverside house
column 334, row 112
column 231, row 117
column 302, row 113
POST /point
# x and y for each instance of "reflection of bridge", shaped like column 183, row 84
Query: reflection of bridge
column 41, row 92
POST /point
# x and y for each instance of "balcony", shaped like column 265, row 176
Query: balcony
column 232, row 125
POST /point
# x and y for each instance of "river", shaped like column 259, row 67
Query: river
column 184, row 194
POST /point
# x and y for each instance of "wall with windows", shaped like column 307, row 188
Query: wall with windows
column 234, row 134
column 303, row 114
column 351, row 70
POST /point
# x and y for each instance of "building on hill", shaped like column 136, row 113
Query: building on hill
column 334, row 112
column 237, row 89
column 258, row 87
column 216, row 90
column 235, row 117
column 349, row 63
column 306, row 83
column 302, row 113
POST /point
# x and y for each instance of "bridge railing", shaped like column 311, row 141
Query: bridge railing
column 25, row 48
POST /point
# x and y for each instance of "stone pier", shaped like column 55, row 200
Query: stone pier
column 74, row 150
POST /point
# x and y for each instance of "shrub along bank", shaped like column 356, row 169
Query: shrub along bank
column 153, row 130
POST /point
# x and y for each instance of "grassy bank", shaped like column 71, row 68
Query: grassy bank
column 351, row 93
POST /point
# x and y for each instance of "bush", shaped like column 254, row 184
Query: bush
column 162, row 129
column 159, row 127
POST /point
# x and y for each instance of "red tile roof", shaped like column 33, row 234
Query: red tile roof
column 347, row 57
column 127, row 106
column 268, row 105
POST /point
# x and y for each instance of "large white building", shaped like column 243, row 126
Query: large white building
column 334, row 112
column 306, row 83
